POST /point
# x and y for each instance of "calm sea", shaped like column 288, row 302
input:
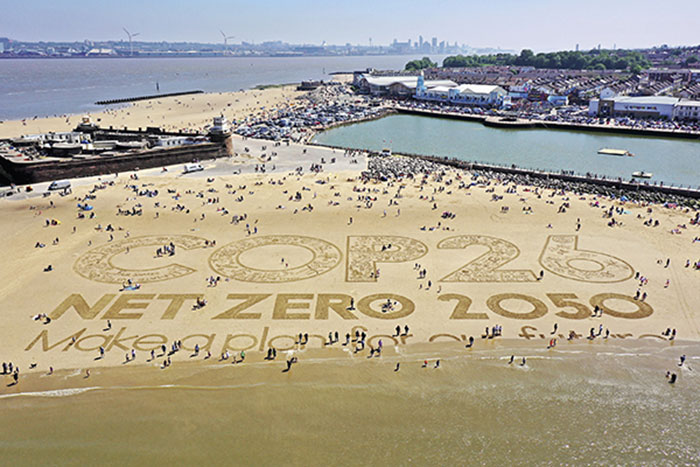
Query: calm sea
column 602, row 403
column 42, row 87
column 672, row 161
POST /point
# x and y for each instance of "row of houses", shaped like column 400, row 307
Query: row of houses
column 684, row 75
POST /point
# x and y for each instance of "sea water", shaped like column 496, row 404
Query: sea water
column 592, row 403
column 43, row 87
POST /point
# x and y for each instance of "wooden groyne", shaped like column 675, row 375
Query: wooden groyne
column 146, row 98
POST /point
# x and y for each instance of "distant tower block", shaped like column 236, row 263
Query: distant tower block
column 576, row 47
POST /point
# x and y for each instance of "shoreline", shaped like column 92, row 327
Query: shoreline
column 218, row 412
column 445, row 347
column 170, row 113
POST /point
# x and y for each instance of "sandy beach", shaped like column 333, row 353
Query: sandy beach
column 348, row 277
column 189, row 113
column 450, row 260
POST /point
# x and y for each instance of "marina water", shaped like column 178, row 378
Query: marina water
column 672, row 161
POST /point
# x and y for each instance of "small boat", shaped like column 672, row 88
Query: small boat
column 386, row 152
column 642, row 174
column 615, row 152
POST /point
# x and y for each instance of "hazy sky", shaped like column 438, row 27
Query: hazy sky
column 515, row 24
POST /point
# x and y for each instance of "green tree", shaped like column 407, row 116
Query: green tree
column 424, row 62
column 525, row 58
column 594, row 59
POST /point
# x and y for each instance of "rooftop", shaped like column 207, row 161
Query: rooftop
column 646, row 99
column 689, row 103
column 408, row 81
column 478, row 88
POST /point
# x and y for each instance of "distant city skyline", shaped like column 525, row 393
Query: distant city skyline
column 541, row 25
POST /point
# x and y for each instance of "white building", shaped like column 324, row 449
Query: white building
column 404, row 86
column 638, row 106
column 467, row 94
column 687, row 110
column 667, row 107
column 100, row 52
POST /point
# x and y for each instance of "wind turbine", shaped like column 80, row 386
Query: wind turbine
column 226, row 38
column 131, row 46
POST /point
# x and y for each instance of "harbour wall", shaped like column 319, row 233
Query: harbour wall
column 500, row 122
column 615, row 183
column 612, row 183
column 321, row 128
